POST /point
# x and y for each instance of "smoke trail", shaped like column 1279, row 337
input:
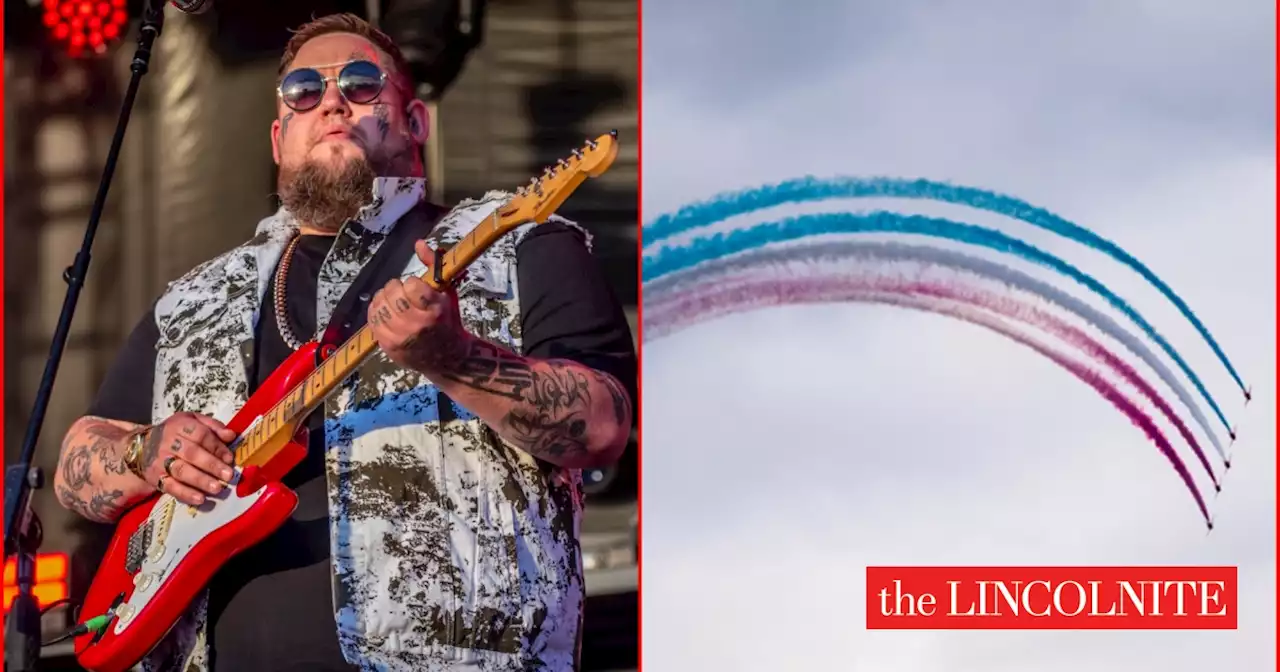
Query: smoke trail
column 845, row 250
column 671, row 260
column 815, row 189
column 744, row 296
column 1004, row 305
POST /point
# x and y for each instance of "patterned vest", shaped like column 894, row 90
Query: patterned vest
column 451, row 549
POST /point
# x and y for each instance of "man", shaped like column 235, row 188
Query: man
column 440, row 500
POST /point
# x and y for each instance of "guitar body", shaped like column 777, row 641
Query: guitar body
column 165, row 552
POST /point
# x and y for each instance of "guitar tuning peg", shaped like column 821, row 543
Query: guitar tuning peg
column 577, row 153
column 591, row 143
column 562, row 163
column 613, row 133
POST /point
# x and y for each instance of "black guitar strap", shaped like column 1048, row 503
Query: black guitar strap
column 352, row 311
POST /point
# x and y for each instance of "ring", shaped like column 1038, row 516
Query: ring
column 168, row 464
column 160, row 483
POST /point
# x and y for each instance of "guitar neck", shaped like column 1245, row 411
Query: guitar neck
column 311, row 392
column 344, row 361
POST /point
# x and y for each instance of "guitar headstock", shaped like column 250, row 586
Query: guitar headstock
column 539, row 199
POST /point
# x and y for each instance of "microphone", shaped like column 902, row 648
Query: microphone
column 192, row 6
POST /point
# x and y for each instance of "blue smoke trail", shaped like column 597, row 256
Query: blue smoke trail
column 816, row 189
column 674, row 259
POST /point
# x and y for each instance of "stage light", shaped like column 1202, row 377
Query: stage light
column 51, row 579
column 85, row 27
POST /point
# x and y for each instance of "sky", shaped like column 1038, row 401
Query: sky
column 785, row 450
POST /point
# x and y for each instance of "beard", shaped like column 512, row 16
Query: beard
column 326, row 196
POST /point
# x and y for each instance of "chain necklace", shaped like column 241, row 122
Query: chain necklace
column 282, row 317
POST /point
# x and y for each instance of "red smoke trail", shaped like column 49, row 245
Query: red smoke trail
column 1017, row 310
column 738, row 295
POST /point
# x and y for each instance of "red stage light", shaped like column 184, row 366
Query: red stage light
column 51, row 579
column 85, row 26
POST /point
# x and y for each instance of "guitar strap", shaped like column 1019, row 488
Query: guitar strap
column 352, row 311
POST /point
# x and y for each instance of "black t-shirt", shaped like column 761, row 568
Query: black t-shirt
column 271, row 607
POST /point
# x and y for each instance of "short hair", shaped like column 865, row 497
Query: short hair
column 349, row 23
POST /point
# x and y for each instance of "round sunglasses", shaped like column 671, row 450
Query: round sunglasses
column 360, row 82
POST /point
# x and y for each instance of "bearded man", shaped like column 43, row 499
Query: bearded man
column 439, row 502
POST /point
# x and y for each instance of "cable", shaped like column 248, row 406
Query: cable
column 53, row 605
column 95, row 624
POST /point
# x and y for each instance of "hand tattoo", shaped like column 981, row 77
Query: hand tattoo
column 151, row 449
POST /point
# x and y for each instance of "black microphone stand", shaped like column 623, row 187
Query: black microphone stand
column 22, row 531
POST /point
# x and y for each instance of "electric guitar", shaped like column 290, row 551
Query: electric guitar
column 165, row 552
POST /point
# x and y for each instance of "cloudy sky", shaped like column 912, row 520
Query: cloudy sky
column 786, row 450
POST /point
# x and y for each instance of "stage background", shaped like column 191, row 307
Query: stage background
column 196, row 176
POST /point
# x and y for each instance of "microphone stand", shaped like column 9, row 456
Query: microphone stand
column 22, row 530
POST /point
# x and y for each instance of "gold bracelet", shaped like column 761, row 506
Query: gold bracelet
column 133, row 453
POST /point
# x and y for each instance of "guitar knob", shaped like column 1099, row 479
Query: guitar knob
column 125, row 612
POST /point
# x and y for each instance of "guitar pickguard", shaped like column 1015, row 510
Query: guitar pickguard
column 170, row 538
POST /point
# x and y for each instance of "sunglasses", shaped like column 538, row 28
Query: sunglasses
column 360, row 82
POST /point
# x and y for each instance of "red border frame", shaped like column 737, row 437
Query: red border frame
column 2, row 230
column 639, row 401
column 640, row 322
column 639, row 311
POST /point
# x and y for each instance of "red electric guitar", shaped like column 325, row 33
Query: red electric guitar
column 165, row 552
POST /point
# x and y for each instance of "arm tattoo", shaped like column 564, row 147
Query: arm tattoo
column 478, row 365
column 553, row 397
column 545, row 436
column 621, row 400
column 77, row 467
column 97, row 445
column 151, row 449
column 101, row 506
